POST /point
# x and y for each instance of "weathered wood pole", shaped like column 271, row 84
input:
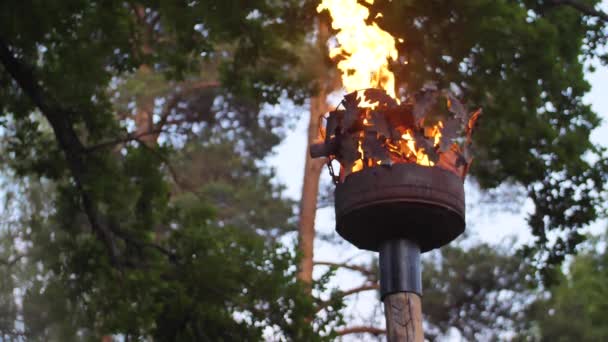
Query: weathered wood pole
column 401, row 290
column 403, row 312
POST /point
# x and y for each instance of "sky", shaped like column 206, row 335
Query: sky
column 485, row 222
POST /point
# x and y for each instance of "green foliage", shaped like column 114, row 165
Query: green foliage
column 222, row 283
column 486, row 293
column 78, row 45
column 243, row 195
column 576, row 308
column 115, row 240
column 481, row 291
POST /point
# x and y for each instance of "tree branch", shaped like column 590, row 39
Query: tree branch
column 144, row 244
column 154, row 19
column 361, row 330
column 73, row 150
column 169, row 106
column 342, row 294
column 11, row 263
column 179, row 96
column 367, row 287
column 174, row 175
column 122, row 140
column 59, row 119
column 581, row 7
column 361, row 269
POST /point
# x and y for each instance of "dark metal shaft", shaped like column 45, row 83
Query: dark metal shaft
column 400, row 267
column 401, row 290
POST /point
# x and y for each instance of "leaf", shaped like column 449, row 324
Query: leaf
column 461, row 163
column 468, row 153
column 373, row 148
column 405, row 151
column 468, row 158
column 380, row 124
column 432, row 154
column 456, row 108
column 379, row 96
column 428, row 145
column 395, row 134
column 471, row 124
column 400, row 116
column 423, row 102
column 449, row 161
column 460, row 160
column 351, row 111
column 348, row 151
column 449, row 132
column 331, row 125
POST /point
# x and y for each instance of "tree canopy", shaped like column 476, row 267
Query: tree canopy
column 575, row 308
column 485, row 292
column 133, row 135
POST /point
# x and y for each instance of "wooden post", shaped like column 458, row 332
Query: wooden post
column 403, row 312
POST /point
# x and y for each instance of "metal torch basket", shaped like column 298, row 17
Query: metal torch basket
column 422, row 204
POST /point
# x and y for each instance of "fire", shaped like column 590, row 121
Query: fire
column 364, row 50
column 421, row 157
column 358, row 165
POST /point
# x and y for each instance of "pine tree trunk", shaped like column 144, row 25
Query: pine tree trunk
column 310, row 190
column 144, row 121
column 312, row 171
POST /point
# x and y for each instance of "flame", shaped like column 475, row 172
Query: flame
column 358, row 166
column 437, row 132
column 365, row 50
column 421, row 157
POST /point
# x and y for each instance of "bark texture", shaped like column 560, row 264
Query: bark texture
column 310, row 190
column 144, row 121
column 312, row 173
column 403, row 312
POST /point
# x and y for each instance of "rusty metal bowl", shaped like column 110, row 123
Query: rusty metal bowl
column 405, row 201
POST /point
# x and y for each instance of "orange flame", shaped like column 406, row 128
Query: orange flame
column 365, row 49
column 421, row 157
column 363, row 53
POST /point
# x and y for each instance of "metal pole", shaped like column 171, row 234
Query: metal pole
column 401, row 290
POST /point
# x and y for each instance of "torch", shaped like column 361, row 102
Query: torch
column 399, row 190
